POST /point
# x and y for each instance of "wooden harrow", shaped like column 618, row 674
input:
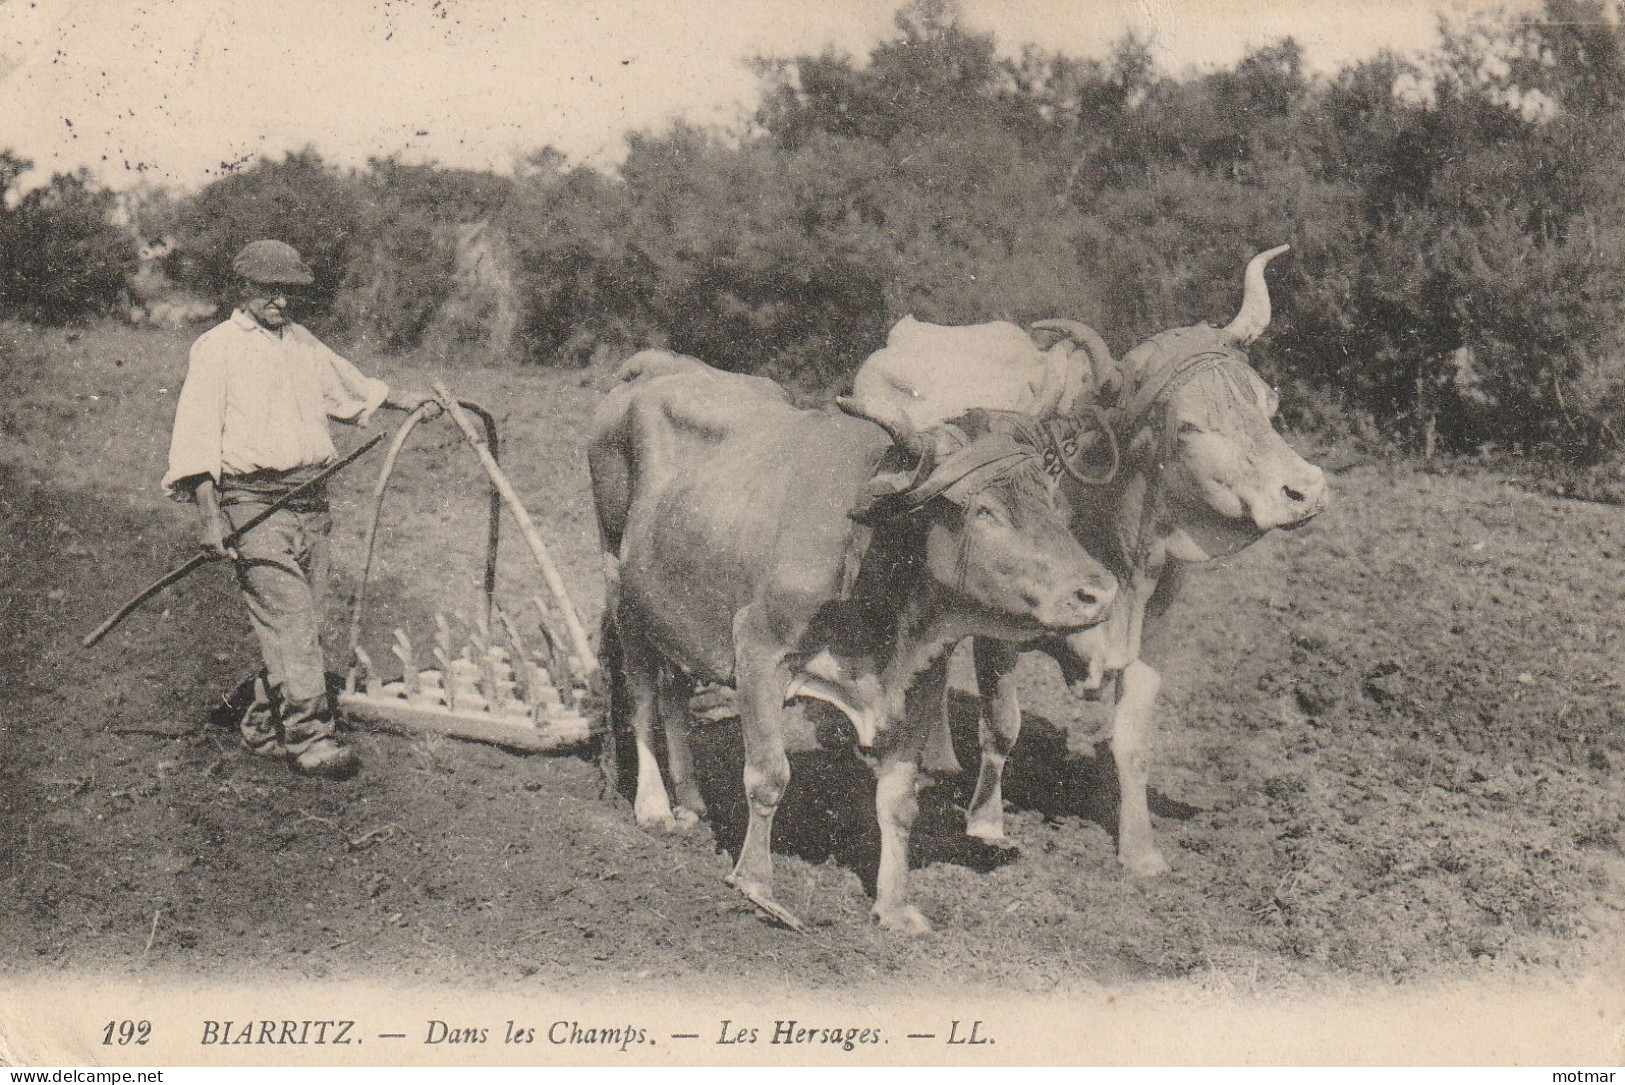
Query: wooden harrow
column 481, row 679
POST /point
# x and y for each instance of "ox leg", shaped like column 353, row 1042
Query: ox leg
column 643, row 670
column 675, row 719
column 1000, row 726
column 1136, row 698
column 761, row 677
column 938, row 758
column 897, row 802
column 896, row 806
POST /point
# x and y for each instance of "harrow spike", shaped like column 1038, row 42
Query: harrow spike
column 551, row 633
column 369, row 675
column 402, row 649
column 462, row 685
column 487, row 663
column 519, row 660
column 444, row 658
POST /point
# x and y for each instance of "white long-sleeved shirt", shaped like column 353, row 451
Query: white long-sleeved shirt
column 258, row 400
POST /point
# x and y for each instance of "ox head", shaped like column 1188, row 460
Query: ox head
column 1191, row 406
column 995, row 534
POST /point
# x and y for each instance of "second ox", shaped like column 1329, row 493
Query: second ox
column 803, row 553
column 1202, row 474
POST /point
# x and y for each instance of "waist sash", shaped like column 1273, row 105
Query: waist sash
column 266, row 486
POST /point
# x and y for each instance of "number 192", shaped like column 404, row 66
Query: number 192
column 125, row 1033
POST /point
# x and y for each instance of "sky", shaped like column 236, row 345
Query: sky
column 179, row 92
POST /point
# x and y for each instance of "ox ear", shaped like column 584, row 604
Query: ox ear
column 908, row 462
column 890, row 493
column 884, row 495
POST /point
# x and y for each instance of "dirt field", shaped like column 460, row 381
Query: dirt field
column 1390, row 750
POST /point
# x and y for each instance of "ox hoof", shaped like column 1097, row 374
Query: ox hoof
column 655, row 816
column 765, row 905
column 904, row 920
column 685, row 820
column 690, row 806
column 668, row 824
column 990, row 833
column 1147, row 864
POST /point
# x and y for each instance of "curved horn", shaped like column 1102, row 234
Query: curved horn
column 1081, row 334
column 1255, row 301
column 893, row 421
column 1101, row 363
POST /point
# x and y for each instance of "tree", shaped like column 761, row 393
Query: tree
column 299, row 200
column 402, row 264
column 61, row 257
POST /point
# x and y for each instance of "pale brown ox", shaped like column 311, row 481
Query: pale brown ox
column 1203, row 474
column 812, row 554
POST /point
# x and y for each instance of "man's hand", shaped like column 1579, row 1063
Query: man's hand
column 213, row 539
column 211, row 524
column 416, row 399
column 405, row 401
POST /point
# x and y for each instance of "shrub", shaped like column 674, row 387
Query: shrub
column 298, row 200
column 398, row 278
column 1457, row 275
column 581, row 277
column 61, row 258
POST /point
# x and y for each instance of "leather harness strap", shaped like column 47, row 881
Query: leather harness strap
column 967, row 470
column 961, row 474
column 1063, row 443
column 1133, row 404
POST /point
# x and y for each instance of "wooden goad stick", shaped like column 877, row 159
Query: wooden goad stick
column 181, row 571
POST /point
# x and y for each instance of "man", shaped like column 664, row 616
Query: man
column 251, row 425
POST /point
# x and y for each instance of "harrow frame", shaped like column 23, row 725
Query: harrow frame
column 498, row 689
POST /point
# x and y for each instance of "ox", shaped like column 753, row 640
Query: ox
column 811, row 554
column 1202, row 474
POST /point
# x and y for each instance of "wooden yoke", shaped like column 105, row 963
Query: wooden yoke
column 588, row 659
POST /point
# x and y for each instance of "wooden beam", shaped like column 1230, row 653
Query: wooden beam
column 394, row 714
column 533, row 538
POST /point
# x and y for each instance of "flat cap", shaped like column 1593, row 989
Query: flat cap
column 274, row 263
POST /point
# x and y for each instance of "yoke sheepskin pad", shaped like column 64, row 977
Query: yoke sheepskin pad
column 933, row 372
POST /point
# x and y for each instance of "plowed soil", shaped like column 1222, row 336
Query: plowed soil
column 1389, row 749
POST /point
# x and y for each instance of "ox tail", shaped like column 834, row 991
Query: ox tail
column 616, row 759
column 656, row 363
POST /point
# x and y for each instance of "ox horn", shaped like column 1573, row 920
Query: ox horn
column 1101, row 363
column 1255, row 301
column 893, row 421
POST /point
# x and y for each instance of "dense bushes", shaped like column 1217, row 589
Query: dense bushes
column 403, row 262
column 1456, row 278
column 298, row 200
column 1458, row 269
column 60, row 256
